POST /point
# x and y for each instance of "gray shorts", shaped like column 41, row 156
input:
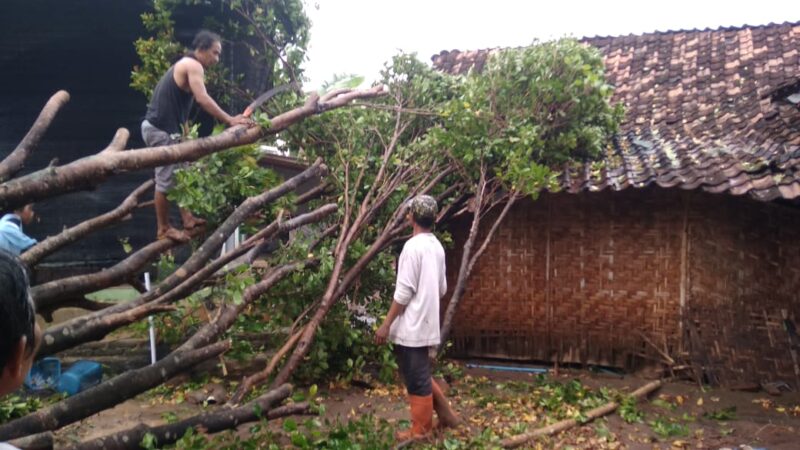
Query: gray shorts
column 155, row 137
column 415, row 369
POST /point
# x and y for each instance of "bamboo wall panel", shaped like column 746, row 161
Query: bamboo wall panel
column 580, row 278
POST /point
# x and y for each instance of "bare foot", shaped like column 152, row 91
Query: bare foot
column 174, row 234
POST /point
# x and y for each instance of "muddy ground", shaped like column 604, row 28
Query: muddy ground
column 679, row 415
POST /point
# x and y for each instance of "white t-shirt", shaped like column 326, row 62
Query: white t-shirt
column 421, row 283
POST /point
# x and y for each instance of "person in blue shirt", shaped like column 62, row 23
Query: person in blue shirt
column 12, row 239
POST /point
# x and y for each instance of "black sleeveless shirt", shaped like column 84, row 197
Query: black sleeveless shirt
column 169, row 107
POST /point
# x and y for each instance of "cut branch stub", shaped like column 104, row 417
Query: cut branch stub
column 15, row 161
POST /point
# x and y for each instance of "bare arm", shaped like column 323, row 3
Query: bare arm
column 197, row 84
column 383, row 332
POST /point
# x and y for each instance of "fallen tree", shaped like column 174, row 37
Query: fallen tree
column 96, row 326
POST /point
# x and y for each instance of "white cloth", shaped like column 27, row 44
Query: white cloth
column 4, row 446
column 421, row 282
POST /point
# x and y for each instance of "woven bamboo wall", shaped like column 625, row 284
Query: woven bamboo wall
column 743, row 269
column 581, row 278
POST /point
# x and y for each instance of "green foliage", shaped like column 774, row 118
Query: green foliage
column 665, row 428
column 530, row 110
column 629, row 410
column 274, row 33
column 157, row 51
column 366, row 432
column 723, row 414
column 14, row 406
column 215, row 185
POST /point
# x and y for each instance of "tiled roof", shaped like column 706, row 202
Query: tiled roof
column 704, row 109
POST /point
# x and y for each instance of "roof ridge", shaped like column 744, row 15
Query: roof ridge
column 721, row 28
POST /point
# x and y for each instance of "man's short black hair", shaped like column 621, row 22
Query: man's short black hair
column 17, row 316
column 424, row 222
column 204, row 39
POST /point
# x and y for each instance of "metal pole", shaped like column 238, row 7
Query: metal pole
column 150, row 320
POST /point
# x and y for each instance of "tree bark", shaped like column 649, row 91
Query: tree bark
column 48, row 295
column 92, row 170
column 15, row 161
column 93, row 327
column 33, row 255
column 212, row 422
column 109, row 393
column 600, row 411
column 96, row 329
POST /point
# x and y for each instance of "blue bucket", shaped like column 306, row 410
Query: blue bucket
column 80, row 376
column 44, row 374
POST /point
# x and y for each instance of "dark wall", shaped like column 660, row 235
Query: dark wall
column 86, row 48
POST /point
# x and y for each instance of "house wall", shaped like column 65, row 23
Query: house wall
column 591, row 278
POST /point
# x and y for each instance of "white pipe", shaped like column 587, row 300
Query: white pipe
column 152, row 327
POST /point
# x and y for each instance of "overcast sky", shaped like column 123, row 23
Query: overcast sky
column 358, row 36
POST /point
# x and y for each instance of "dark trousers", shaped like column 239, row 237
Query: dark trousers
column 415, row 369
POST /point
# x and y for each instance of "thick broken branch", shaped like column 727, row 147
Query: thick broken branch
column 212, row 422
column 70, row 235
column 109, row 393
column 92, row 170
column 48, row 295
column 15, row 161
column 608, row 408
column 97, row 328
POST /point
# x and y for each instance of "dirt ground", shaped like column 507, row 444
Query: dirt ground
column 758, row 421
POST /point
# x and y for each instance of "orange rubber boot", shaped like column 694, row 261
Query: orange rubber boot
column 421, row 418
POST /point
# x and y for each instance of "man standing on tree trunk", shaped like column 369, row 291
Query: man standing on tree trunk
column 168, row 112
column 412, row 322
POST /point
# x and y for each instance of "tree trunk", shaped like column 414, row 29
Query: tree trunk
column 92, row 170
column 48, row 295
column 109, row 393
column 95, row 329
column 15, row 161
column 211, row 422
column 33, row 255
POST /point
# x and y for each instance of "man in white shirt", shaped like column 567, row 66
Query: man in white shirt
column 20, row 336
column 412, row 322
